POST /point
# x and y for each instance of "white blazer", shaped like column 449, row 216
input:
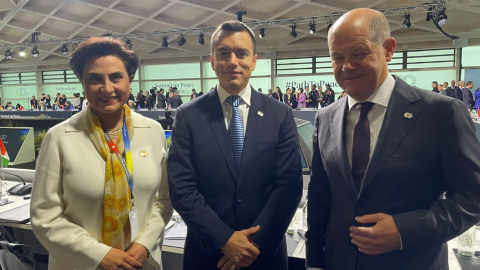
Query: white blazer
column 68, row 193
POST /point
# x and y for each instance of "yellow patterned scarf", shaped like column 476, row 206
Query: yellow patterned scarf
column 117, row 204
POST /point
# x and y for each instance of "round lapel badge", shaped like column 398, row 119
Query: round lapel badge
column 143, row 153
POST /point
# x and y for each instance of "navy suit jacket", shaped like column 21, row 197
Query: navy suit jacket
column 468, row 97
column 207, row 192
column 414, row 162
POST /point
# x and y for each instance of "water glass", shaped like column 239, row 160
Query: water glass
column 3, row 193
column 466, row 242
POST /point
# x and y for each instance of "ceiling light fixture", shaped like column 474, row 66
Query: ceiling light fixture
column 64, row 49
column 293, row 33
column 35, row 52
column 201, row 39
column 181, row 40
column 442, row 18
column 312, row 28
column 406, row 24
column 35, row 36
column 8, row 54
column 165, row 42
column 262, row 33
column 129, row 43
column 240, row 14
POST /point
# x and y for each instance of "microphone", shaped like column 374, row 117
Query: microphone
column 19, row 189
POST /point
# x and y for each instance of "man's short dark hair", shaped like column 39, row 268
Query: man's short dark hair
column 469, row 82
column 232, row 26
column 99, row 47
column 435, row 82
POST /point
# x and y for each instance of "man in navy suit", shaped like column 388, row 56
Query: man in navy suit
column 399, row 175
column 234, row 169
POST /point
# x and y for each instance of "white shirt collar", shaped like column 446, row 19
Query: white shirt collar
column 245, row 94
column 381, row 96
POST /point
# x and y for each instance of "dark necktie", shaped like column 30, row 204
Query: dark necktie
column 361, row 143
column 235, row 131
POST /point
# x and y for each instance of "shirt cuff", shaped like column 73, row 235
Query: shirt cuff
column 401, row 243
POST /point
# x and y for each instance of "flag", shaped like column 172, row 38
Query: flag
column 478, row 111
column 138, row 108
column 71, row 107
column 4, row 154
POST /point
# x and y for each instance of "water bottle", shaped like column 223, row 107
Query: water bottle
column 466, row 242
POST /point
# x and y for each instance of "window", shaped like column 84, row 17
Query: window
column 17, row 78
column 59, row 76
column 294, row 66
column 431, row 59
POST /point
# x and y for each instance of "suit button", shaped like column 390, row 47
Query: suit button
column 360, row 210
column 239, row 199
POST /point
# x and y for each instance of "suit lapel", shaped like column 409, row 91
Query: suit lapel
column 394, row 128
column 337, row 127
column 215, row 117
column 254, row 125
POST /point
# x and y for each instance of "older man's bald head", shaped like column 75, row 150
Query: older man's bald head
column 375, row 22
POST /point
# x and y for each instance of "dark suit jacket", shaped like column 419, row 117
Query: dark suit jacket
column 276, row 96
column 415, row 161
column 468, row 98
column 140, row 100
column 175, row 101
column 192, row 96
column 213, row 200
column 450, row 92
column 161, row 101
column 458, row 93
column 313, row 96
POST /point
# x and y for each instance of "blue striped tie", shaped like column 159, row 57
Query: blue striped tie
column 235, row 130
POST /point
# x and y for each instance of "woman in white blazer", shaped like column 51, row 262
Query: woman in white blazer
column 97, row 205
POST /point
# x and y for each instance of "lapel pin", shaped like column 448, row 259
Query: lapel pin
column 143, row 153
column 260, row 113
column 408, row 115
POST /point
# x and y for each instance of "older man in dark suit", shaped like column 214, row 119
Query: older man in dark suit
column 234, row 169
column 377, row 186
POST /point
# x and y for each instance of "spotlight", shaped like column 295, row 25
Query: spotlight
column 406, row 24
column 64, row 49
column 21, row 52
column 262, row 33
column 201, row 40
column 181, row 40
column 8, row 54
column 329, row 25
column 165, row 42
column 129, row 44
column 442, row 18
column 429, row 14
column 35, row 52
column 312, row 28
column 293, row 33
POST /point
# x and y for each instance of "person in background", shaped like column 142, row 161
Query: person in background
column 307, row 94
column 48, row 102
column 57, row 98
column 435, row 87
column 329, row 97
column 278, row 94
column 194, row 94
column 62, row 100
column 441, row 90
column 41, row 106
column 476, row 95
column 321, row 96
column 287, row 98
column 237, row 213
column 400, row 176
column 344, row 94
column 161, row 99
column 450, row 91
column 313, row 96
column 468, row 96
column 301, row 99
column 8, row 105
column 175, row 100
column 103, row 205
column 19, row 107
column 201, row 93
column 33, row 103
column 147, row 100
column 68, row 106
column 151, row 99
column 294, row 95
column 457, row 91
column 140, row 100
column 131, row 104
column 76, row 101
column 270, row 92
column 259, row 90
column 43, row 97
column 130, row 96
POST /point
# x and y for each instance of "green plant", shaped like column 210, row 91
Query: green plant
column 39, row 140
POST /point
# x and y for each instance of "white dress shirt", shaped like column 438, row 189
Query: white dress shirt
column 243, row 108
column 375, row 116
